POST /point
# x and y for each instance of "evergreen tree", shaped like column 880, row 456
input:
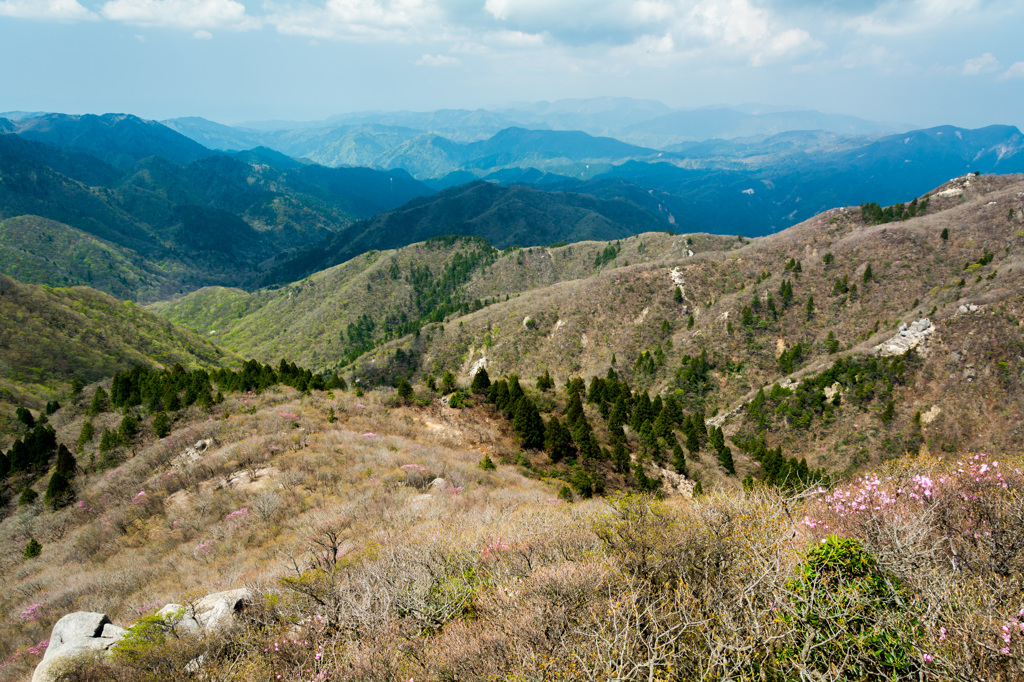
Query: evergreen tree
column 581, row 482
column 481, row 381
column 574, row 410
column 868, row 274
column 88, row 431
column 405, row 391
column 692, row 442
column 498, row 395
column 515, row 390
column 698, row 489
column 662, row 425
column 810, row 307
column 619, row 414
column 528, row 425
column 129, row 427
column 545, row 382
column 66, row 463
column 5, row 467
column 25, row 417
column 59, row 492
column 725, row 459
column 447, row 383
column 596, row 392
column 620, row 456
column 100, row 402
column 558, row 441
column 678, row 458
column 945, row 234
column 33, row 549
column 678, row 295
column 161, row 425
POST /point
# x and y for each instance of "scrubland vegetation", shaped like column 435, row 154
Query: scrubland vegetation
column 588, row 461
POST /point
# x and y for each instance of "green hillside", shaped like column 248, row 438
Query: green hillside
column 51, row 337
column 36, row 250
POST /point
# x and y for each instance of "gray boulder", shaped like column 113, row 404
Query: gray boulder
column 75, row 634
column 212, row 612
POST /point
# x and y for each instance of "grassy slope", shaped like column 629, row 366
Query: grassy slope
column 36, row 250
column 50, row 336
column 304, row 320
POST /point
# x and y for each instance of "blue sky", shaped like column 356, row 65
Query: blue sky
column 922, row 62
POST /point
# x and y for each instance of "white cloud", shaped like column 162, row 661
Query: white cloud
column 360, row 19
column 438, row 60
column 1015, row 71
column 181, row 14
column 202, row 35
column 986, row 63
column 903, row 17
column 52, row 10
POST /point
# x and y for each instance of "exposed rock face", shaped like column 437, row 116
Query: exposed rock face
column 212, row 612
column 75, row 634
column 83, row 632
column 907, row 338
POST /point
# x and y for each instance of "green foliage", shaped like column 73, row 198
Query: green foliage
column 608, row 254
column 145, row 635
column 945, row 234
column 581, row 482
column 27, row 497
column 481, row 382
column 25, row 417
column 848, row 611
column 66, row 463
column 161, row 425
column 459, row 399
column 528, row 425
column 486, row 464
column 110, row 440
column 545, row 382
column 447, row 382
column 558, row 441
column 828, row 259
column 100, row 403
column 565, row 493
column 33, row 549
column 693, row 379
column 59, row 492
column 873, row 214
column 405, row 391
column 129, row 428
column 791, row 358
column 678, row 295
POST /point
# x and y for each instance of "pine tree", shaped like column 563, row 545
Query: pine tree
column 498, row 395
column 678, row 295
column 945, row 234
column 33, row 549
column 161, row 425
column 692, row 441
column 678, row 458
column 620, row 456
column 447, row 383
column 725, row 459
column 662, row 425
column 528, row 425
column 515, row 390
column 59, row 492
column 558, row 441
column 100, row 402
column 88, row 431
column 574, row 410
column 810, row 307
column 868, row 274
column 405, row 391
column 25, row 417
column 66, row 463
column 481, row 381
column 545, row 382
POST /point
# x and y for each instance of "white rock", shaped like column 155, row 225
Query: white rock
column 906, row 338
column 73, row 635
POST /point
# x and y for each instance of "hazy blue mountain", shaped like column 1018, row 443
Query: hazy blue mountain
column 119, row 139
column 215, row 135
column 706, row 124
column 213, row 220
column 505, row 216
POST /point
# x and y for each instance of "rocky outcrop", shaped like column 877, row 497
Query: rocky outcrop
column 85, row 632
column 907, row 337
column 73, row 635
column 212, row 612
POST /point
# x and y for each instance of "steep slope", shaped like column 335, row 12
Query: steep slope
column 504, row 216
column 210, row 222
column 119, row 139
column 49, row 337
column 35, row 250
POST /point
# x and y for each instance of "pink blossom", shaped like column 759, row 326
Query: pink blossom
column 369, row 434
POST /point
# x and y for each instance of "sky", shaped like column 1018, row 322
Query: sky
column 919, row 62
